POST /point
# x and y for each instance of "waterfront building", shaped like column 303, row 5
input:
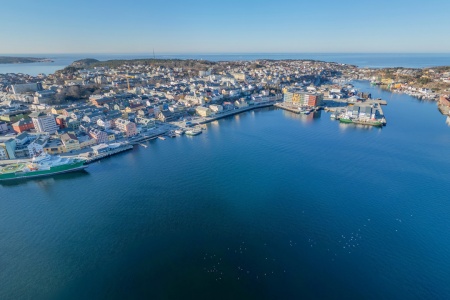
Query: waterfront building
column 167, row 116
column 241, row 103
column 99, row 135
column 301, row 98
column 216, row 108
column 54, row 146
column 127, row 127
column 36, row 147
column 85, row 140
column 43, row 122
column 101, row 148
column 70, row 142
column 203, row 111
column 146, row 122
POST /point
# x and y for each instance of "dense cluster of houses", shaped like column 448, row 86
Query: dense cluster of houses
column 132, row 99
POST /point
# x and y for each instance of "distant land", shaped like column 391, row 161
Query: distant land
column 22, row 60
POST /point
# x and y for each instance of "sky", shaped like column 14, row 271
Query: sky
column 232, row 26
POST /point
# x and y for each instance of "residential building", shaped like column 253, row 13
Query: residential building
column 22, row 125
column 3, row 127
column 99, row 135
column 54, row 146
column 43, row 122
column 85, row 140
column 70, row 142
column 127, row 127
column 7, row 148
column 36, row 147
column 145, row 122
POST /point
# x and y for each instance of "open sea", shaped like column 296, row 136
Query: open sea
column 372, row 60
column 263, row 205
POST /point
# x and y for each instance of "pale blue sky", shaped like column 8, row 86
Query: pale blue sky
column 200, row 26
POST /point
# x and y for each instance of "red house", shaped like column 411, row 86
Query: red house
column 23, row 125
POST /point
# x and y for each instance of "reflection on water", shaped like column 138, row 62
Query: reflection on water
column 47, row 181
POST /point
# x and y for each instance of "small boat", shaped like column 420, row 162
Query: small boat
column 161, row 138
column 143, row 145
column 193, row 132
column 171, row 134
column 179, row 131
column 345, row 120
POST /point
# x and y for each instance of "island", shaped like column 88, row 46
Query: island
column 22, row 60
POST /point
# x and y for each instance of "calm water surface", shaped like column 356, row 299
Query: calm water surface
column 263, row 205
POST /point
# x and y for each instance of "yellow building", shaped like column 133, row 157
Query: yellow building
column 70, row 142
column 203, row 111
column 111, row 137
column 54, row 147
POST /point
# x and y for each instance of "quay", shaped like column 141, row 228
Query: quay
column 233, row 112
column 288, row 108
column 97, row 157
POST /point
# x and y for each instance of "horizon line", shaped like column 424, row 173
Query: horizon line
column 209, row 53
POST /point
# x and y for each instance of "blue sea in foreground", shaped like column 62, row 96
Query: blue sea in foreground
column 372, row 60
column 263, row 205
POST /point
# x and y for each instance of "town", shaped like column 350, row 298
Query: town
column 92, row 109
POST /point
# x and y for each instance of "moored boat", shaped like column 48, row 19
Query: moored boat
column 193, row 132
column 42, row 165
column 346, row 120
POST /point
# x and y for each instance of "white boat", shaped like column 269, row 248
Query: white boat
column 179, row 131
column 193, row 132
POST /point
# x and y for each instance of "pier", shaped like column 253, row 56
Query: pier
column 233, row 112
column 281, row 105
column 95, row 158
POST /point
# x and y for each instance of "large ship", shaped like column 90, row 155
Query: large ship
column 42, row 165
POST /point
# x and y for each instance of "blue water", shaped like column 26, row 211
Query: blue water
column 378, row 60
column 262, row 205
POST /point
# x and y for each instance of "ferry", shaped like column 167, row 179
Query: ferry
column 42, row 165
